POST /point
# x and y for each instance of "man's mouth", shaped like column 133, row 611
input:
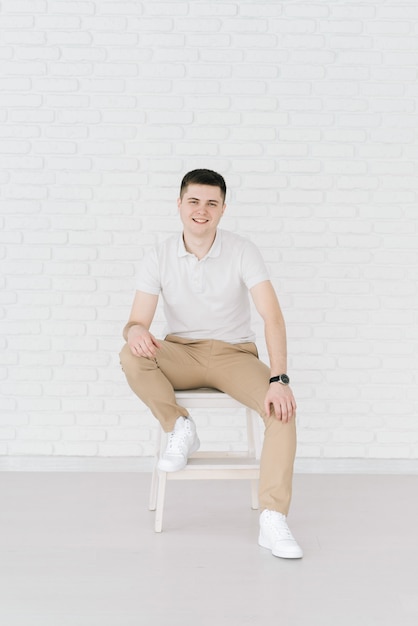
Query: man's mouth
column 200, row 220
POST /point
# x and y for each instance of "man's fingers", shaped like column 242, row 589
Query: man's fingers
column 280, row 403
column 146, row 349
column 284, row 411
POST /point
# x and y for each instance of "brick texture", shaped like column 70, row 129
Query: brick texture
column 309, row 110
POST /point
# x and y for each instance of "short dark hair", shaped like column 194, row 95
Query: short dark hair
column 203, row 177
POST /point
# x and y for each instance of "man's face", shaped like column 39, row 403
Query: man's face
column 201, row 209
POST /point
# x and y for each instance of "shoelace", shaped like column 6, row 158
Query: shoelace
column 177, row 439
column 279, row 528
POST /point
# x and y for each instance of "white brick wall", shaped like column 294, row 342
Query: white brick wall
column 310, row 111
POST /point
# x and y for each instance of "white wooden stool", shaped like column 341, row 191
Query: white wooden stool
column 224, row 465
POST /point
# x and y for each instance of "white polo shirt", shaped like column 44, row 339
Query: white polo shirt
column 206, row 299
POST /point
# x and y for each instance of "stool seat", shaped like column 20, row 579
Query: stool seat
column 215, row 465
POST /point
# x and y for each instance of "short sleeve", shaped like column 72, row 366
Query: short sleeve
column 148, row 274
column 253, row 267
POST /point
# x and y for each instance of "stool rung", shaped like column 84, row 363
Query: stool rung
column 221, row 454
column 241, row 463
column 216, row 473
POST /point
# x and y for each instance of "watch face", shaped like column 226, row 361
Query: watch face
column 285, row 379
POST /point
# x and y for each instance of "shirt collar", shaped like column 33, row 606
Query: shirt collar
column 214, row 251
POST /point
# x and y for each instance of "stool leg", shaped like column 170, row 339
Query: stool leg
column 252, row 452
column 162, row 480
column 154, row 479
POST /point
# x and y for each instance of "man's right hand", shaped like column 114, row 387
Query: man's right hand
column 142, row 342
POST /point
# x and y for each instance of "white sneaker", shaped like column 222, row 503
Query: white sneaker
column 276, row 536
column 182, row 442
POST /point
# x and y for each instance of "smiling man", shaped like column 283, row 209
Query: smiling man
column 205, row 276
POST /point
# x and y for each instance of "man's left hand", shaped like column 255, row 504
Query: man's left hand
column 280, row 399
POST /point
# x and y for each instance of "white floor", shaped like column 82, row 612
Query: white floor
column 78, row 549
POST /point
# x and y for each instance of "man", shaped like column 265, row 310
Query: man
column 204, row 277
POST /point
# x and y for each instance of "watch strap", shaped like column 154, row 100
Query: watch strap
column 282, row 378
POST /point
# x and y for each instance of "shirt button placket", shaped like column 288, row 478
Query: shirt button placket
column 197, row 276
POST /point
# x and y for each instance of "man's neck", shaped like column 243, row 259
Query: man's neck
column 197, row 246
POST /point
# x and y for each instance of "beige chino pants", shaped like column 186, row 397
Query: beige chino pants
column 232, row 368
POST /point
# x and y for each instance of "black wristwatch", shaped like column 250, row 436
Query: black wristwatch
column 282, row 379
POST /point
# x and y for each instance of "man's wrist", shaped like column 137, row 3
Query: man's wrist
column 127, row 328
